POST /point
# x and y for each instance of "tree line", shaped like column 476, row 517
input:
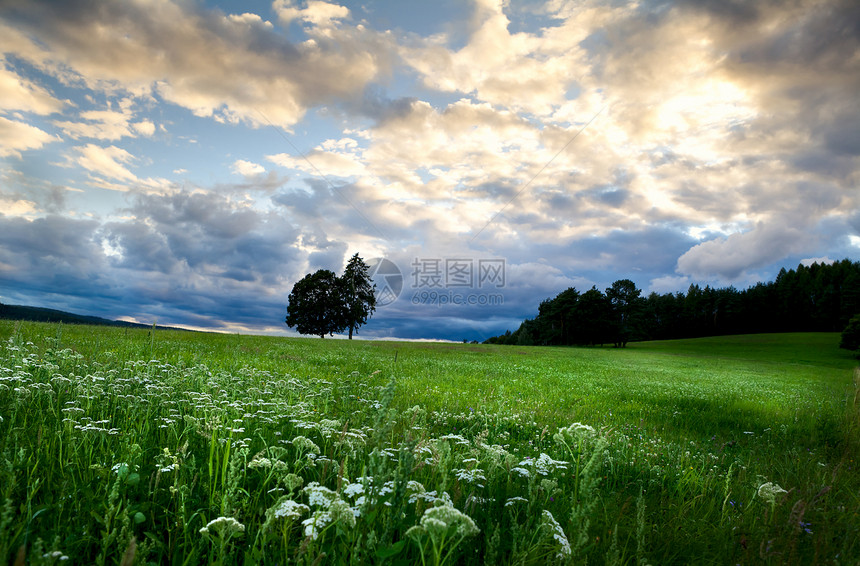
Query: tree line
column 815, row 298
column 322, row 303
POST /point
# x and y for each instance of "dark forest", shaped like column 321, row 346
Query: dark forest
column 814, row 298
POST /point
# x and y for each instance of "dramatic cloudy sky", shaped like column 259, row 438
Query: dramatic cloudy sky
column 190, row 161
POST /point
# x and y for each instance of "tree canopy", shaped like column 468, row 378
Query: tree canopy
column 316, row 305
column 359, row 293
column 851, row 335
column 817, row 297
column 322, row 303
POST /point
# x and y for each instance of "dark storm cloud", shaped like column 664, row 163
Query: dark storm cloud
column 142, row 247
column 843, row 136
column 634, row 253
column 205, row 231
column 824, row 39
column 737, row 12
column 53, row 256
column 317, row 203
column 195, row 259
column 65, row 241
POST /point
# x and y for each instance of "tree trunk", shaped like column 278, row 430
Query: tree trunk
column 350, row 332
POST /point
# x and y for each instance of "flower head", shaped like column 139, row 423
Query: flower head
column 289, row 509
column 224, row 527
column 341, row 513
column 574, row 434
column 439, row 521
column 316, row 524
column 553, row 531
column 319, row 495
column 770, row 491
column 305, row 445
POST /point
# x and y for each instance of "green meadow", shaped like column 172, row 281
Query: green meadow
column 167, row 447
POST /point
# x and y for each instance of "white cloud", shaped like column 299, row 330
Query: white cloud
column 16, row 137
column 144, row 127
column 337, row 158
column 106, row 161
column 316, row 12
column 17, row 207
column 18, row 93
column 100, row 124
column 531, row 71
column 247, row 168
column 231, row 68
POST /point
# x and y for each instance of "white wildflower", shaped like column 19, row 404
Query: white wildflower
column 319, row 496
column 574, row 435
column 260, row 461
column 437, row 522
column 516, row 499
column 456, row 438
column 551, row 528
column 292, row 481
column 770, row 491
column 341, row 513
column 474, row 476
column 544, row 464
column 327, row 427
column 314, row 525
column 224, row 527
column 289, row 509
column 304, row 444
column 353, row 490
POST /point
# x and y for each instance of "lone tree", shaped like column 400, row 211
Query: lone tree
column 359, row 293
column 323, row 303
column 316, row 304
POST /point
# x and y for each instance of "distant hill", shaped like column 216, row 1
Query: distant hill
column 38, row 314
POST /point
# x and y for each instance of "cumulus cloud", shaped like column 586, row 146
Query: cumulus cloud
column 53, row 253
column 339, row 158
column 247, row 168
column 106, row 161
column 315, row 12
column 99, row 124
column 531, row 71
column 214, row 64
column 724, row 142
column 144, row 127
column 18, row 93
column 16, row 137
column 729, row 258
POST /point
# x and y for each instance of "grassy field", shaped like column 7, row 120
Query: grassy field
column 130, row 447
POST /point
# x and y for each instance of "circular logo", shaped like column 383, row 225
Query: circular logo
column 388, row 280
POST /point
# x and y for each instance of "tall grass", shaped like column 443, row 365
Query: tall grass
column 126, row 446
